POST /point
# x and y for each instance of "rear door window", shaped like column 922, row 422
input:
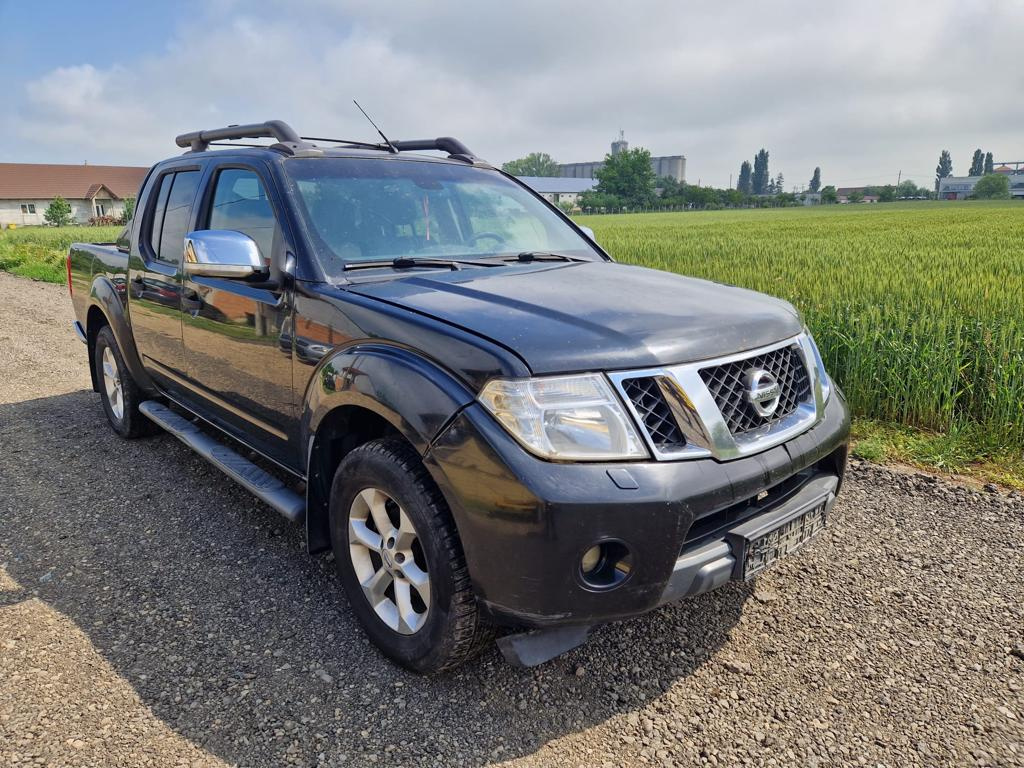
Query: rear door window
column 171, row 215
column 177, row 216
column 156, row 222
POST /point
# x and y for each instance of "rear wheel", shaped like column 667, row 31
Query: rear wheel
column 400, row 560
column 119, row 393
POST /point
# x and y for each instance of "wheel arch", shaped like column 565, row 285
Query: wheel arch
column 362, row 393
column 107, row 307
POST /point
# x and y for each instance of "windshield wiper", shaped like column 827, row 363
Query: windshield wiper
column 404, row 262
column 527, row 256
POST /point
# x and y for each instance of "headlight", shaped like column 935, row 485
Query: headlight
column 564, row 417
column 826, row 382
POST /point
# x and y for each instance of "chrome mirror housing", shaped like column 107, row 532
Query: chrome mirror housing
column 223, row 253
column 588, row 232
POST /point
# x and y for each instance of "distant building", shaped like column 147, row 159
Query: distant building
column 673, row 166
column 27, row 189
column 957, row 187
column 843, row 194
column 960, row 187
column 558, row 189
column 810, row 198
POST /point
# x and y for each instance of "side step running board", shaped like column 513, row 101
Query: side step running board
column 260, row 483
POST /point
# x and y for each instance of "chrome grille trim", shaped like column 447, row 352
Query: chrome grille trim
column 727, row 386
column 699, row 418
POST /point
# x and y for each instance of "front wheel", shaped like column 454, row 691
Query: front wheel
column 400, row 560
column 119, row 393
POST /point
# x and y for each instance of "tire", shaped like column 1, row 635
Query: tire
column 119, row 393
column 425, row 629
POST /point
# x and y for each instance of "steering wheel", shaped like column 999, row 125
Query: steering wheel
column 486, row 236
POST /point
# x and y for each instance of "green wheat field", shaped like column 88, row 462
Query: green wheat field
column 918, row 307
column 38, row 252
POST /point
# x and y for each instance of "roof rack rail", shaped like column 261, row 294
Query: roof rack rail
column 198, row 141
column 444, row 143
column 289, row 140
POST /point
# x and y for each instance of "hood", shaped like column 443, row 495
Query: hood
column 568, row 317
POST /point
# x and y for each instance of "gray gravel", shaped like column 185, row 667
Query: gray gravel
column 151, row 613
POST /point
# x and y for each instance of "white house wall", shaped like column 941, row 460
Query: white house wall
column 81, row 211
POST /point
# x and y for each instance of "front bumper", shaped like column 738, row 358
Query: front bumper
column 712, row 563
column 525, row 522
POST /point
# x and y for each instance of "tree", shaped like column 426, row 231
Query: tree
column 129, row 210
column 977, row 164
column 58, row 213
column 779, row 182
column 886, row 194
column 988, row 163
column 908, row 188
column 593, row 200
column 993, row 186
column 944, row 168
column 855, row 196
column 744, row 183
column 669, row 186
column 815, row 184
column 828, row 195
column 761, row 178
column 628, row 175
column 534, row 164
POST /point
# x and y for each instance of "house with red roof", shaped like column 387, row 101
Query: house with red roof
column 27, row 189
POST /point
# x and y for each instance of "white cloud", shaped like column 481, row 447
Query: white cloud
column 861, row 90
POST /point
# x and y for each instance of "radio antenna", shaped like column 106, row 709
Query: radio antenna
column 387, row 141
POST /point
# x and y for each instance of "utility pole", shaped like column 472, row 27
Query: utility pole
column 899, row 176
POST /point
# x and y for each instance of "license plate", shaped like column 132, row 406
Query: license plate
column 784, row 540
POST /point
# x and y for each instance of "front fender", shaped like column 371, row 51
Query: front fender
column 107, row 297
column 415, row 395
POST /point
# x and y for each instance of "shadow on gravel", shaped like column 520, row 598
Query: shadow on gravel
column 207, row 604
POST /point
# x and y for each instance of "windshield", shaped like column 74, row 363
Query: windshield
column 377, row 209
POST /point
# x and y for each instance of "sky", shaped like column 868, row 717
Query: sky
column 867, row 91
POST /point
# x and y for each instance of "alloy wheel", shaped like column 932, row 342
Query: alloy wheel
column 112, row 384
column 388, row 561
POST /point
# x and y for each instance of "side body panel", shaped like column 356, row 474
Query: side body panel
column 236, row 343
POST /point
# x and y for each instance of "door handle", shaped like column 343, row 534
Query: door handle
column 191, row 301
column 137, row 286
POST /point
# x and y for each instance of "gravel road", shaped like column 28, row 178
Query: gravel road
column 152, row 613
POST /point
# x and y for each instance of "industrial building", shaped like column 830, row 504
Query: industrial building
column 673, row 166
column 558, row 189
column 960, row 187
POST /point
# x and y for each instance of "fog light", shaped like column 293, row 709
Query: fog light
column 591, row 559
column 606, row 565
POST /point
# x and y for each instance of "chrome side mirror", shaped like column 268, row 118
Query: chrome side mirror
column 223, row 253
column 588, row 232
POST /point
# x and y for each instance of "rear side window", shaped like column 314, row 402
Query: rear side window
column 177, row 216
column 240, row 203
column 171, row 214
column 157, row 221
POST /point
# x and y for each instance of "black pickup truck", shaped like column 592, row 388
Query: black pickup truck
column 490, row 422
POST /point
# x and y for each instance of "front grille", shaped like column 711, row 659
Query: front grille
column 645, row 394
column 728, row 385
